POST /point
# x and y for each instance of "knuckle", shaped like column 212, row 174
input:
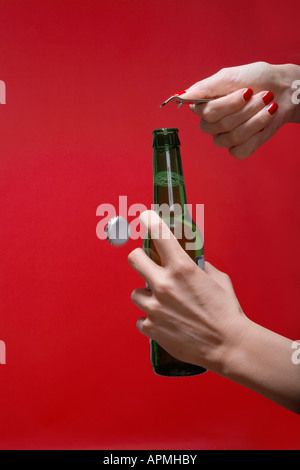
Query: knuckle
column 216, row 140
column 205, row 126
column 162, row 288
column 236, row 152
column 133, row 295
column 147, row 325
column 235, row 137
column 220, row 140
column 240, row 153
column 262, row 120
column 221, row 72
column 226, row 278
column 182, row 268
column 225, row 124
column 153, row 307
column 209, row 113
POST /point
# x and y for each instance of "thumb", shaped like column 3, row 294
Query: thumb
column 220, row 84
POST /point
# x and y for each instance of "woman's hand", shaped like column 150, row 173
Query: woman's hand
column 253, row 102
column 194, row 315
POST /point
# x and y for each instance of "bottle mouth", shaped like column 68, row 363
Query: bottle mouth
column 165, row 137
column 165, row 130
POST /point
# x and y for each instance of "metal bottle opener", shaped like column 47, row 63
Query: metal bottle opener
column 182, row 101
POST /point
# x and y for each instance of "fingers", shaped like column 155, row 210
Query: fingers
column 169, row 250
column 216, row 110
column 141, row 298
column 166, row 244
column 232, row 119
column 141, row 325
column 144, row 266
column 248, row 148
column 246, row 130
column 239, row 121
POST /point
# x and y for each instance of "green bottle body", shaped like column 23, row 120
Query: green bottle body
column 170, row 202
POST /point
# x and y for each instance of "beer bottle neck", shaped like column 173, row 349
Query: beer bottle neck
column 167, row 170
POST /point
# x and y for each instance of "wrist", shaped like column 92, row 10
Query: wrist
column 262, row 362
column 235, row 353
column 226, row 353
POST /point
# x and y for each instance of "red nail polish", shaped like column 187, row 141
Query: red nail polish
column 268, row 97
column 273, row 108
column 180, row 93
column 247, row 94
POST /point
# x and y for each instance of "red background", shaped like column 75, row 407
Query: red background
column 84, row 83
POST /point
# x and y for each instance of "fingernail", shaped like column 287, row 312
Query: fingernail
column 180, row 93
column 273, row 108
column 247, row 94
column 268, row 97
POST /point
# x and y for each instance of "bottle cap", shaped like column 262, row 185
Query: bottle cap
column 117, row 231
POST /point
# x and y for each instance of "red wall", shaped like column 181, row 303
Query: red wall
column 84, row 83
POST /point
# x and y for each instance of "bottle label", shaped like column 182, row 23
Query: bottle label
column 200, row 261
column 168, row 178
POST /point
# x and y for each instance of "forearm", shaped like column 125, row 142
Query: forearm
column 263, row 363
column 195, row 316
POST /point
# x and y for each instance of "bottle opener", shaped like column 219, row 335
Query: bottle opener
column 182, row 101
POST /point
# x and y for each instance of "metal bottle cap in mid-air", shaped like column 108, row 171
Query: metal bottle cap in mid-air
column 117, row 231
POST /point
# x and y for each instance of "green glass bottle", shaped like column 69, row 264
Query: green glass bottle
column 169, row 192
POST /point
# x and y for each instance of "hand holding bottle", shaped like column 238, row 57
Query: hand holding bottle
column 196, row 317
column 253, row 102
column 192, row 314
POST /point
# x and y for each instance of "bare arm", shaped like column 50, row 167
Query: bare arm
column 196, row 317
column 263, row 363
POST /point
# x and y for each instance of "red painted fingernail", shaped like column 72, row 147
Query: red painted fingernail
column 180, row 93
column 247, row 94
column 273, row 108
column 268, row 97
